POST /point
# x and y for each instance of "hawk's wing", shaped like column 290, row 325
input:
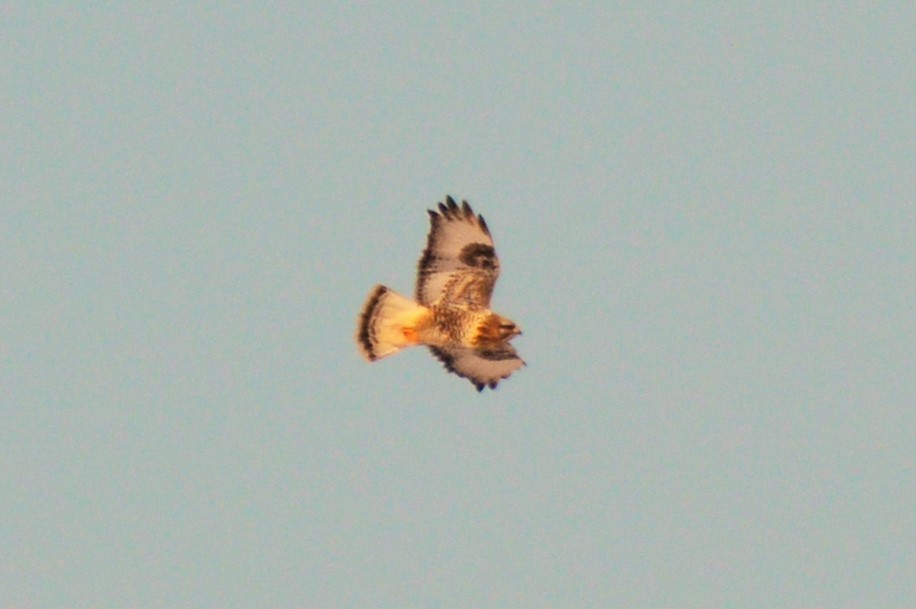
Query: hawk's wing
column 483, row 367
column 459, row 263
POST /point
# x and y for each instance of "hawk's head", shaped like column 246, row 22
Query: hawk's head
column 496, row 328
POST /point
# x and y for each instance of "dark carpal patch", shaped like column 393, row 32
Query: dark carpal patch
column 500, row 352
column 478, row 256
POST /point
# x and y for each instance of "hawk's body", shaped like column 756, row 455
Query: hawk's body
column 451, row 314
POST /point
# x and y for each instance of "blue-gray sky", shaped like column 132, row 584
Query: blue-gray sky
column 706, row 221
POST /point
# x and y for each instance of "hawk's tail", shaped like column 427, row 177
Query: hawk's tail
column 387, row 323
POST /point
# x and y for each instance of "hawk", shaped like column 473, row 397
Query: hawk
column 451, row 312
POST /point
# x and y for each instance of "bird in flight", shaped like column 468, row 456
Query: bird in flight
column 451, row 312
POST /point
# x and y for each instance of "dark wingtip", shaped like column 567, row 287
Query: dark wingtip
column 483, row 224
column 450, row 210
column 480, row 386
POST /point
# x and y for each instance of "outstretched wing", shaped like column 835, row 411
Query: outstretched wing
column 483, row 367
column 459, row 264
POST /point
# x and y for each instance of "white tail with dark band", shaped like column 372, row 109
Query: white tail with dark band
column 387, row 323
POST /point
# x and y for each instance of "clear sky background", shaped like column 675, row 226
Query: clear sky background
column 705, row 216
